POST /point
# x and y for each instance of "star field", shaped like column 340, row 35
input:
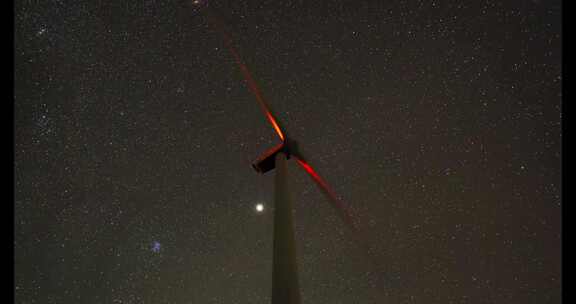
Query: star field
column 437, row 122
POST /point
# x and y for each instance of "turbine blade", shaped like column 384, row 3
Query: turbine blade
column 252, row 85
column 341, row 209
column 344, row 213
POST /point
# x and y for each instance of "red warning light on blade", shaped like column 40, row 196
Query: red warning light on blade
column 339, row 206
column 275, row 125
column 247, row 76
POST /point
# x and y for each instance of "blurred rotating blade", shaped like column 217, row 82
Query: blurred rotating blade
column 341, row 208
column 346, row 216
column 252, row 85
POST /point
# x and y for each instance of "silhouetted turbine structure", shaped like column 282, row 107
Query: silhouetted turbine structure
column 285, row 286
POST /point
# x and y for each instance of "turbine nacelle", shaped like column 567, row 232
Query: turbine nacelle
column 266, row 162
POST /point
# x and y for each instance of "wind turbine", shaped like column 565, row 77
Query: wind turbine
column 285, row 286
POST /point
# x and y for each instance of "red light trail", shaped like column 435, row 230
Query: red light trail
column 252, row 85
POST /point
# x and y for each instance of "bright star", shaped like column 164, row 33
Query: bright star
column 259, row 208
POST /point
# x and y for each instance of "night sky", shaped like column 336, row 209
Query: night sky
column 437, row 122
